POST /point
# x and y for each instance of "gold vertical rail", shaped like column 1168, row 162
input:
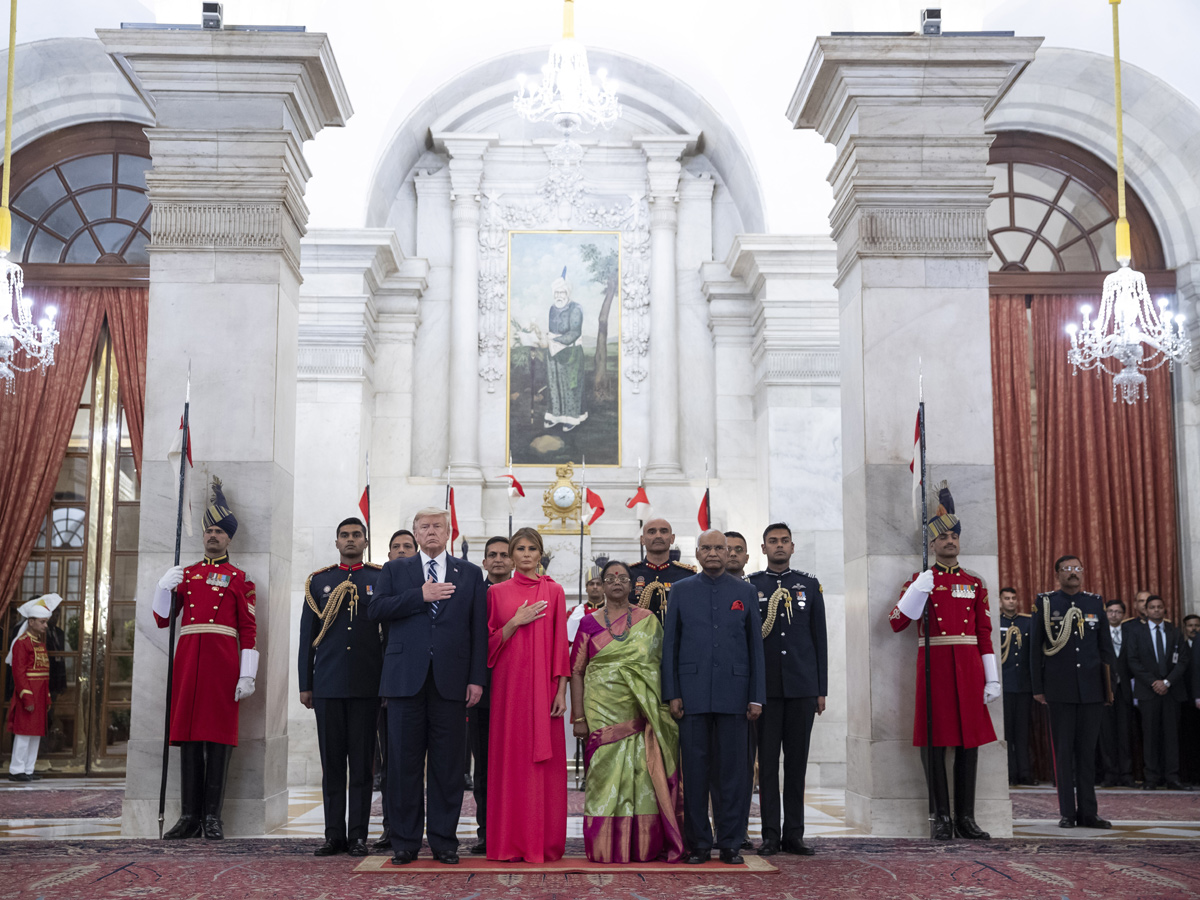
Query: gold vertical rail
column 1124, row 252
column 97, row 757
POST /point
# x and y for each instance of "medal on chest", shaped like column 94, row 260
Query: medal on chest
column 216, row 579
column 963, row 591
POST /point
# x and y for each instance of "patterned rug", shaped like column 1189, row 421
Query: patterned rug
column 52, row 804
column 574, row 805
column 844, row 869
column 1121, row 805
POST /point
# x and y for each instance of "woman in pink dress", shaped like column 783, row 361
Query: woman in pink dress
column 527, row 753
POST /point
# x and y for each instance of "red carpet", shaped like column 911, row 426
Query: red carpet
column 476, row 865
column 1122, row 805
column 52, row 804
column 844, row 869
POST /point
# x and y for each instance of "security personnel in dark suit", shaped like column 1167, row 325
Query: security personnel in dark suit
column 1018, row 688
column 1117, row 722
column 654, row 575
column 340, row 661
column 1070, row 649
column 1158, row 659
column 712, row 676
column 796, row 654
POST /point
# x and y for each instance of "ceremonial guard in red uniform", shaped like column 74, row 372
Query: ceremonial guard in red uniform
column 215, row 665
column 654, row 575
column 964, row 675
column 30, row 704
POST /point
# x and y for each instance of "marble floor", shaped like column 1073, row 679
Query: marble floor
column 824, row 818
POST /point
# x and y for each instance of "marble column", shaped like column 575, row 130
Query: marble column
column 663, row 167
column 466, row 173
column 232, row 111
column 906, row 115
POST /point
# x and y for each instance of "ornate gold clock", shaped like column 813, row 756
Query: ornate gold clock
column 562, row 503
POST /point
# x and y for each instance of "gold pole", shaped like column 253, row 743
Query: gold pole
column 568, row 18
column 5, row 216
column 1124, row 254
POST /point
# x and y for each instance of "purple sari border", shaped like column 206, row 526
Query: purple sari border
column 610, row 734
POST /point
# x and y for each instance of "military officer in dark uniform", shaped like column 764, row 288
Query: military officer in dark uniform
column 654, row 575
column 1018, row 689
column 340, row 661
column 792, row 609
column 1070, row 654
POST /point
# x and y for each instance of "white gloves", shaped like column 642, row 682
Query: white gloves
column 912, row 604
column 245, row 687
column 171, row 579
column 162, row 594
column 249, row 664
column 991, row 687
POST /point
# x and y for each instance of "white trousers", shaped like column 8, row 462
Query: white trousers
column 24, row 754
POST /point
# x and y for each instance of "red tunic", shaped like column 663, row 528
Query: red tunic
column 527, row 753
column 217, row 622
column 960, row 635
column 31, row 684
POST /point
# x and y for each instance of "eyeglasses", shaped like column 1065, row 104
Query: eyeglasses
column 1071, row 569
column 616, row 579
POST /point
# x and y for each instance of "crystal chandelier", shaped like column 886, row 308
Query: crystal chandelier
column 566, row 93
column 1128, row 321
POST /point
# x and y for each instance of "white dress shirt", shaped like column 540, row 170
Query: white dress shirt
column 440, row 559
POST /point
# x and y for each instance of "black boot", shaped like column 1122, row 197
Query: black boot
column 939, row 792
column 191, row 790
column 216, row 771
column 966, row 764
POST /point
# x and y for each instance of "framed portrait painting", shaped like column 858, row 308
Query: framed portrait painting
column 564, row 343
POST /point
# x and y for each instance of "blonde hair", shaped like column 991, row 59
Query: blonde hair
column 530, row 533
column 430, row 512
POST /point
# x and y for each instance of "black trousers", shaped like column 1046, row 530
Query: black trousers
column 712, row 743
column 479, row 746
column 785, row 724
column 1189, row 740
column 426, row 743
column 1160, row 730
column 381, row 743
column 346, row 739
column 1018, row 707
column 1074, row 731
column 1116, row 730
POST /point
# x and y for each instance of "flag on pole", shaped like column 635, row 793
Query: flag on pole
column 453, row 519
column 515, row 488
column 704, row 516
column 915, row 468
column 639, row 501
column 595, row 504
column 183, row 438
column 364, row 504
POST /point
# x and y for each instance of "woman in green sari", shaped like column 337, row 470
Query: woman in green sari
column 633, row 807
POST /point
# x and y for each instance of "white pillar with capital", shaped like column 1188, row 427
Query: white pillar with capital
column 906, row 115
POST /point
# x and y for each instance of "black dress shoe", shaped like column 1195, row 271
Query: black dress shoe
column 479, row 849
column 1066, row 822
column 214, row 828
column 697, row 858
column 768, row 848
column 1149, row 787
column 732, row 858
column 747, row 844
column 187, row 827
column 797, row 847
column 403, row 857
column 967, row 828
column 943, row 828
column 1127, row 781
column 1177, row 786
column 1094, row 822
column 447, row 858
column 330, row 848
column 358, row 847
column 384, row 842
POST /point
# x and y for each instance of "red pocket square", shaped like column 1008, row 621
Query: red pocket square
column 738, row 605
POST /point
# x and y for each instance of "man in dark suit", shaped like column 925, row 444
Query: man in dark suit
column 713, row 677
column 1117, row 723
column 340, row 660
column 434, row 609
column 1070, row 647
column 1018, row 687
column 796, row 655
column 1189, row 721
column 1158, row 659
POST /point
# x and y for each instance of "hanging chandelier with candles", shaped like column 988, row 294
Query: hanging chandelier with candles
column 1128, row 332
column 23, row 346
column 566, row 94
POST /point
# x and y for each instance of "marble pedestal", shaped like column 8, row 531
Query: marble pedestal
column 564, row 561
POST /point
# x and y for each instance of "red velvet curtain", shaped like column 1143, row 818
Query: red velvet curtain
column 1106, row 470
column 1016, row 498
column 35, row 425
column 128, row 311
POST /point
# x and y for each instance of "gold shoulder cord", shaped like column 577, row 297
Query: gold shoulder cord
column 1074, row 617
column 1012, row 633
column 654, row 588
column 332, row 605
column 781, row 595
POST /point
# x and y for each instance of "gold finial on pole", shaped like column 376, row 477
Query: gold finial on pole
column 5, row 215
column 568, row 18
column 1124, row 253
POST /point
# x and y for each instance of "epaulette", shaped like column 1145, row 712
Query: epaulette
column 326, row 569
column 684, row 566
column 371, row 565
column 1026, row 615
column 1129, row 619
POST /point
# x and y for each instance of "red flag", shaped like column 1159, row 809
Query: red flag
column 595, row 504
column 173, row 455
column 639, row 497
column 704, row 516
column 364, row 504
column 453, row 519
column 515, row 489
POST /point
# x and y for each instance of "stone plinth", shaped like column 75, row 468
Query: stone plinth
column 906, row 115
column 232, row 110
